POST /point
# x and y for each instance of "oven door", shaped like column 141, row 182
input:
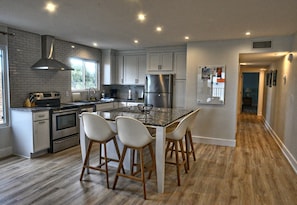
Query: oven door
column 64, row 123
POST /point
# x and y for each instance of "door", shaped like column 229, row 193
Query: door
column 250, row 91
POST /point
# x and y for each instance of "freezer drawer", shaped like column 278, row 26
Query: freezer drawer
column 158, row 99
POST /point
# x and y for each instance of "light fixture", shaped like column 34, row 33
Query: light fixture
column 290, row 57
column 95, row 44
column 141, row 17
column 159, row 29
column 247, row 33
column 72, row 46
column 51, row 7
column 187, row 37
column 136, row 41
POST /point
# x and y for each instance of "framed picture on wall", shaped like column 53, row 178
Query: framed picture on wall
column 211, row 84
column 269, row 78
column 274, row 77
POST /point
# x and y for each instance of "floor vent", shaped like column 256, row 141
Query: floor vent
column 262, row 44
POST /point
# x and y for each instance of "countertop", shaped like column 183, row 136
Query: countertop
column 156, row 117
column 79, row 104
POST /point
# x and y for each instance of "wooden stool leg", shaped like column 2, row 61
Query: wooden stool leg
column 177, row 162
column 184, row 162
column 106, row 165
column 153, row 168
column 118, row 152
column 120, row 166
column 192, row 145
column 86, row 159
column 142, row 172
column 187, row 150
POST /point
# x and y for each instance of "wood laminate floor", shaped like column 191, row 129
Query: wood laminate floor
column 253, row 172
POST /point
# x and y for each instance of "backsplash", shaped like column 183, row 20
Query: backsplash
column 122, row 91
column 24, row 50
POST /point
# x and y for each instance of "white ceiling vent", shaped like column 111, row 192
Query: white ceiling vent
column 262, row 44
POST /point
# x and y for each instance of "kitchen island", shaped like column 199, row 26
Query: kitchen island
column 158, row 118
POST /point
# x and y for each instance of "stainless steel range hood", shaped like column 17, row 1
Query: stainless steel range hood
column 47, row 61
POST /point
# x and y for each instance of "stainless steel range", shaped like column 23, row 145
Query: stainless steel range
column 64, row 120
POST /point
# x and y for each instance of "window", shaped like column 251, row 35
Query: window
column 3, row 87
column 84, row 75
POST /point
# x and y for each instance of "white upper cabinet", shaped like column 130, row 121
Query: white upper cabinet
column 131, row 69
column 160, row 61
column 180, row 65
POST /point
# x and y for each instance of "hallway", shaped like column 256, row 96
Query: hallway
column 255, row 172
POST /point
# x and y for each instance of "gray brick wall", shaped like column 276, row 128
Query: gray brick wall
column 24, row 49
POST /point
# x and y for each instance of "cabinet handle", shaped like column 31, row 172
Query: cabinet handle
column 41, row 122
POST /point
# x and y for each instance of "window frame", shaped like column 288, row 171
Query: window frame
column 84, row 73
column 5, row 86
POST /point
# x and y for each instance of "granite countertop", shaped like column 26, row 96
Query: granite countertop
column 156, row 117
column 79, row 103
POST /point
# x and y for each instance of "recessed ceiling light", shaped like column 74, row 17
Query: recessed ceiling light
column 247, row 33
column 187, row 37
column 159, row 28
column 72, row 46
column 51, row 7
column 141, row 17
column 95, row 44
column 136, row 41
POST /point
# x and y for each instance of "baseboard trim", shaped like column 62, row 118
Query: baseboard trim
column 214, row 141
column 282, row 146
column 5, row 152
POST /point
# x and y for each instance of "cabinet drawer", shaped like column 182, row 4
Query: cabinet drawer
column 43, row 115
column 104, row 106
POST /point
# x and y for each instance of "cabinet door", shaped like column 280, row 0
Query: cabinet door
column 160, row 61
column 130, row 69
column 180, row 65
column 141, row 69
column 154, row 61
column 41, row 138
column 179, row 94
column 167, row 61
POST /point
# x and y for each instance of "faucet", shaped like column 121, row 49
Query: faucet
column 92, row 97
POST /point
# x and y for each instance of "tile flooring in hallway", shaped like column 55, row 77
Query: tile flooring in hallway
column 254, row 172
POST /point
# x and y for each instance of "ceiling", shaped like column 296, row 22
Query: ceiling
column 113, row 23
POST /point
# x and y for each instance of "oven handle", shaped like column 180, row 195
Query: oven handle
column 65, row 111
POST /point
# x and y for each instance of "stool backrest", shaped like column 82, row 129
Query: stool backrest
column 193, row 116
column 180, row 130
column 96, row 127
column 132, row 132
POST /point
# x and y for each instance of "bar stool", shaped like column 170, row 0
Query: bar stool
column 176, row 137
column 99, row 131
column 188, row 138
column 135, row 136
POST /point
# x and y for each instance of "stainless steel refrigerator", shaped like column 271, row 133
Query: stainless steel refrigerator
column 158, row 90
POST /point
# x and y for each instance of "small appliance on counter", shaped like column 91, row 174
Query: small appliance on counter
column 129, row 94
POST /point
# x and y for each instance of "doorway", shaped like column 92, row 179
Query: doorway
column 250, row 91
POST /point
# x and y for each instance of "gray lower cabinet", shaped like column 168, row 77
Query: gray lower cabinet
column 31, row 132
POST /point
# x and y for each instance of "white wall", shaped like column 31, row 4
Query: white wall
column 281, row 107
column 216, row 124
